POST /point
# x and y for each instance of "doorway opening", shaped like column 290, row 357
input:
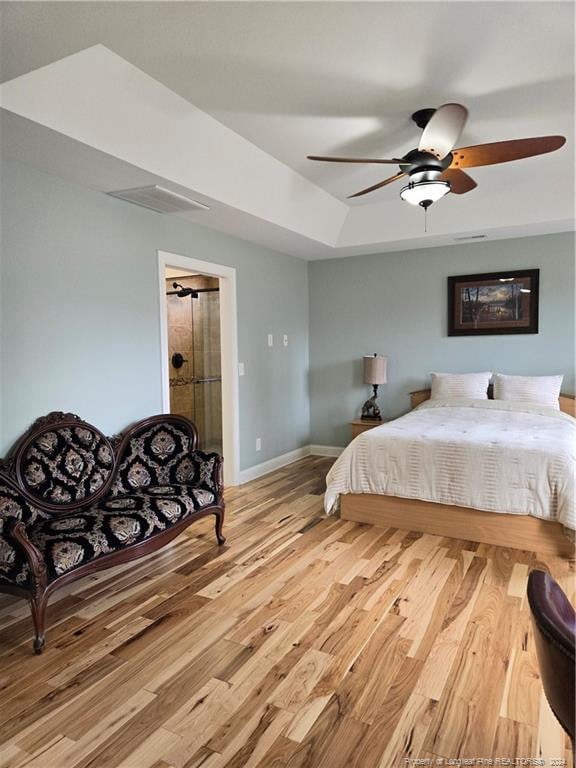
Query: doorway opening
column 199, row 357
column 194, row 354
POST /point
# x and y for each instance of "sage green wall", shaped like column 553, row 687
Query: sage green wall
column 80, row 314
column 80, row 331
column 395, row 304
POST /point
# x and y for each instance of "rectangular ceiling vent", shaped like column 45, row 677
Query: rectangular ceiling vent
column 469, row 237
column 159, row 199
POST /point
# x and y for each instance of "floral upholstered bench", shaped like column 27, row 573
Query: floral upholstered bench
column 73, row 501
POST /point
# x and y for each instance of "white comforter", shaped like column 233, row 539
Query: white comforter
column 492, row 455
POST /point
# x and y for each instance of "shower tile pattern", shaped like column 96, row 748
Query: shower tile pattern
column 194, row 331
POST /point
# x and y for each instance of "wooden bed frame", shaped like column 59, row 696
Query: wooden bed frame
column 515, row 531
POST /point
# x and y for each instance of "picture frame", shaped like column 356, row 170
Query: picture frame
column 493, row 303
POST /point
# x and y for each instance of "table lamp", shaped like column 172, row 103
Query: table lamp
column 375, row 374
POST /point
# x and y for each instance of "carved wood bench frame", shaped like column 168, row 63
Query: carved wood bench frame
column 16, row 531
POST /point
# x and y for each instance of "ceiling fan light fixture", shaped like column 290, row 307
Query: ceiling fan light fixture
column 424, row 193
column 435, row 167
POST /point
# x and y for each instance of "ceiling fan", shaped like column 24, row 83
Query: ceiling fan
column 435, row 167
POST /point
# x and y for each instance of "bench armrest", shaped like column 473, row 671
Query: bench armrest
column 21, row 563
column 15, row 508
column 207, row 472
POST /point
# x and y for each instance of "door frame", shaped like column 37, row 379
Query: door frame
column 228, row 351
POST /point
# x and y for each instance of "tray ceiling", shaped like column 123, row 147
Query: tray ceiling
column 287, row 79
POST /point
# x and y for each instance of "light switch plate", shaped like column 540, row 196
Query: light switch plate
column 258, row 443
column 285, row 340
column 270, row 340
column 240, row 369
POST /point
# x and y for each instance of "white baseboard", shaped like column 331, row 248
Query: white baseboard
column 325, row 450
column 258, row 470
column 246, row 475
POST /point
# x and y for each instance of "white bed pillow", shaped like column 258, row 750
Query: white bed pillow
column 459, row 386
column 543, row 390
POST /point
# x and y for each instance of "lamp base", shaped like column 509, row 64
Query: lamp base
column 370, row 409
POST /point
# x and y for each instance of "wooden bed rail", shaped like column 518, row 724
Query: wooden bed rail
column 500, row 529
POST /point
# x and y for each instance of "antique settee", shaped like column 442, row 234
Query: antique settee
column 73, row 501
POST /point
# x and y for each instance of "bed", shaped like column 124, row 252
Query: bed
column 488, row 471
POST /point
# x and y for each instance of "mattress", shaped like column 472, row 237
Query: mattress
column 498, row 456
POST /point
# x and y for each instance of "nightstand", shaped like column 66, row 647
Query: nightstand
column 362, row 425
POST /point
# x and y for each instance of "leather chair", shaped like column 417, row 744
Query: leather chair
column 554, row 622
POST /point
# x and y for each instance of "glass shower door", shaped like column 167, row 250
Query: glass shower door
column 193, row 307
column 207, row 374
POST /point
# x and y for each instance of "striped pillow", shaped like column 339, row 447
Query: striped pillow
column 460, row 386
column 543, row 390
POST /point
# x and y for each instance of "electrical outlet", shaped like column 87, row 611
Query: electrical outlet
column 258, row 443
column 285, row 339
column 270, row 340
column 240, row 369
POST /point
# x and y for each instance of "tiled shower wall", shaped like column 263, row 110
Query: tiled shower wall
column 194, row 331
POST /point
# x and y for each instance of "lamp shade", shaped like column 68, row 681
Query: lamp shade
column 375, row 369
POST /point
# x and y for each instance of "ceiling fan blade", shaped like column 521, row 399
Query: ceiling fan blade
column 443, row 130
column 380, row 184
column 394, row 161
column 460, row 182
column 505, row 151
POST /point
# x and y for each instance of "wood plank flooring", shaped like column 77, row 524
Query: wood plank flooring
column 304, row 642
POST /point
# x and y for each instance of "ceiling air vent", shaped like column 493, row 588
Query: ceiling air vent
column 465, row 238
column 159, row 199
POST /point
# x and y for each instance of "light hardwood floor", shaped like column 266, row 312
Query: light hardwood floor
column 305, row 642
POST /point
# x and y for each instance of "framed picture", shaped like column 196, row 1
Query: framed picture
column 493, row 303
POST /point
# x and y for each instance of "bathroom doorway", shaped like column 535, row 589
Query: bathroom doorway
column 199, row 333
column 194, row 353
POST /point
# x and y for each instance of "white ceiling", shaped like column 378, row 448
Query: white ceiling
column 321, row 77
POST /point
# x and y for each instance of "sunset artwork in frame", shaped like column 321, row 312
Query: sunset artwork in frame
column 493, row 303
